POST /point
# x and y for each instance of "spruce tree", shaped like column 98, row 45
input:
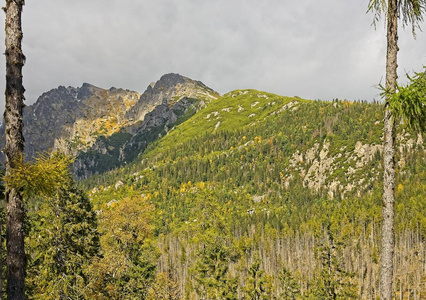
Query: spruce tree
column 62, row 241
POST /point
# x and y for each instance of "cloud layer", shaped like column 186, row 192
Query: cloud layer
column 313, row 49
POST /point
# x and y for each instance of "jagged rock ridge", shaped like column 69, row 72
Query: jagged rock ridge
column 104, row 128
column 70, row 119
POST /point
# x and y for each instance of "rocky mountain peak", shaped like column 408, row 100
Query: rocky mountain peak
column 170, row 80
column 168, row 90
column 163, row 104
column 86, row 91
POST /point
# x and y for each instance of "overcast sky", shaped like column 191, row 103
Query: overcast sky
column 313, row 49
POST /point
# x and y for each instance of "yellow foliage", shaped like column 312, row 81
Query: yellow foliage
column 125, row 231
column 44, row 177
column 128, row 221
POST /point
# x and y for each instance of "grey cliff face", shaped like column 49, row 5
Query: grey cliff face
column 52, row 111
column 65, row 118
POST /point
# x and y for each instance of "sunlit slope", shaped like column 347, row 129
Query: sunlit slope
column 264, row 140
column 233, row 111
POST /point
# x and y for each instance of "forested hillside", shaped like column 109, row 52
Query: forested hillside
column 259, row 196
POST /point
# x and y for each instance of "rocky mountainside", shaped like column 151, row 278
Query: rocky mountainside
column 165, row 103
column 104, row 128
column 70, row 119
column 170, row 89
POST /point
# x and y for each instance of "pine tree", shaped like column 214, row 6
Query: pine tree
column 289, row 285
column 210, row 271
column 332, row 281
column 255, row 288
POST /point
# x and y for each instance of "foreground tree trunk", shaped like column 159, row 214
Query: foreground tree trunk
column 15, row 258
column 388, row 238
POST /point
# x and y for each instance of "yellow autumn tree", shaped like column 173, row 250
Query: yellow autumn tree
column 126, row 266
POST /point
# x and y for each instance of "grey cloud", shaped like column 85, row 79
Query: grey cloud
column 313, row 49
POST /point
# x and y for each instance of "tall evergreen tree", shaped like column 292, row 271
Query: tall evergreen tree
column 332, row 280
column 256, row 282
column 62, row 241
column 411, row 12
column 211, row 278
column 14, row 149
column 290, row 286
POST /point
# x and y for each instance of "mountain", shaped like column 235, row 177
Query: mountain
column 164, row 104
column 170, row 89
column 105, row 128
column 70, row 119
column 278, row 185
column 329, row 145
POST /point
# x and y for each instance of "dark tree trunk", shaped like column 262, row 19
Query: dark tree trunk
column 388, row 239
column 15, row 257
